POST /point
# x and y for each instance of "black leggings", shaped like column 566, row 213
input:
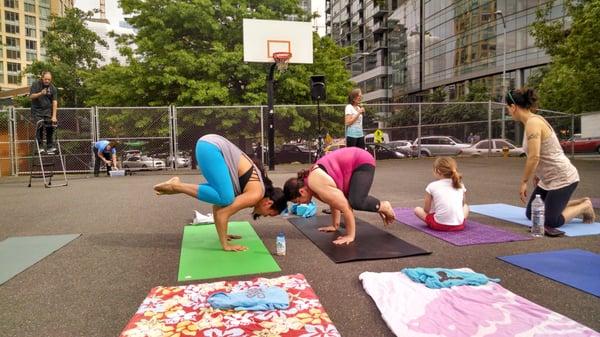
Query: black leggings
column 39, row 133
column 98, row 161
column 360, row 184
column 355, row 142
column 555, row 202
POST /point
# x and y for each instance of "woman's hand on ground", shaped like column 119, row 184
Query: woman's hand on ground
column 343, row 240
column 234, row 248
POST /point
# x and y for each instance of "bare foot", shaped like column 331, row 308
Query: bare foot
column 387, row 212
column 589, row 215
column 576, row 202
column 167, row 187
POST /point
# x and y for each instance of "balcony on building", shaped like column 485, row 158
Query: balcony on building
column 379, row 11
column 380, row 44
column 380, row 27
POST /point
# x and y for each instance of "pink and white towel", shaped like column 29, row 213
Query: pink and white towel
column 411, row 309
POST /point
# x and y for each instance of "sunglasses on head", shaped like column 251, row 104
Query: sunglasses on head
column 511, row 98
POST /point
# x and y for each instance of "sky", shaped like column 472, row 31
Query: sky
column 114, row 14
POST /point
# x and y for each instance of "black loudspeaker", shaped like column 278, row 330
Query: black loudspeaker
column 317, row 88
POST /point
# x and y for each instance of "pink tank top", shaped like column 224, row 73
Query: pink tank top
column 340, row 164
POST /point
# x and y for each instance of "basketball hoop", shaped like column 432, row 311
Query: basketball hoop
column 282, row 59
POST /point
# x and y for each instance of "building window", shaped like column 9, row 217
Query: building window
column 14, row 79
column 30, row 8
column 12, row 42
column 30, row 32
column 31, row 56
column 44, row 12
column 11, row 3
column 30, row 20
column 13, row 67
column 11, row 29
column 30, row 44
column 13, row 54
column 11, row 16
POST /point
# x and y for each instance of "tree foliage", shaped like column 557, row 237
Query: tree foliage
column 71, row 55
column 190, row 53
column 570, row 83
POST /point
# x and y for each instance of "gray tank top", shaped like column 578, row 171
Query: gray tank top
column 554, row 168
column 231, row 154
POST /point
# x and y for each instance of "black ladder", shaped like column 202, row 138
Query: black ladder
column 42, row 165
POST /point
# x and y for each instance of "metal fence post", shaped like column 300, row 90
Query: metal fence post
column 11, row 140
column 419, row 133
column 573, row 135
column 490, row 128
column 262, row 134
column 173, row 153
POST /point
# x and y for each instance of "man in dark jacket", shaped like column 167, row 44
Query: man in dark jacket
column 44, row 103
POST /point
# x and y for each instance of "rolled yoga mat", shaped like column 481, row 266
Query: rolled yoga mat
column 474, row 233
column 370, row 243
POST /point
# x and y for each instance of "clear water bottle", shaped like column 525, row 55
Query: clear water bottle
column 280, row 244
column 537, row 216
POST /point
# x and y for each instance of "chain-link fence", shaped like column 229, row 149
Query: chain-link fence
column 157, row 138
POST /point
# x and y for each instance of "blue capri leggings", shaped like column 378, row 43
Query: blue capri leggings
column 218, row 189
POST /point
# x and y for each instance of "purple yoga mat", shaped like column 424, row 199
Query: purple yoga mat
column 473, row 234
column 596, row 202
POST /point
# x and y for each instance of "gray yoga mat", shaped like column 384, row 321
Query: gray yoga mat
column 21, row 252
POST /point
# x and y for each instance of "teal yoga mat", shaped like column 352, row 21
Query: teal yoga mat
column 517, row 215
column 21, row 252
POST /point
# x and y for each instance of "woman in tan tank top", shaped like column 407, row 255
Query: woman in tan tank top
column 554, row 176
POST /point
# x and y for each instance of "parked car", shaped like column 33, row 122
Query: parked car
column 183, row 160
column 581, row 145
column 339, row 144
column 403, row 146
column 383, row 151
column 143, row 162
column 289, row 153
column 439, row 146
column 481, row 148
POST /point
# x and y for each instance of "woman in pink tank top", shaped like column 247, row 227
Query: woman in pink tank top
column 342, row 179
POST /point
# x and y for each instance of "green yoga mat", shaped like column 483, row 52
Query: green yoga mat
column 203, row 258
column 22, row 252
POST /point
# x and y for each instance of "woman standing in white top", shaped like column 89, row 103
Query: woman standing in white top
column 554, row 176
column 445, row 207
column 354, row 120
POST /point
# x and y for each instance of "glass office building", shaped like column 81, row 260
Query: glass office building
column 406, row 48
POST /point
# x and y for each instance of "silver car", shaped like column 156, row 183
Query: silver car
column 143, row 163
column 439, row 146
column 481, row 148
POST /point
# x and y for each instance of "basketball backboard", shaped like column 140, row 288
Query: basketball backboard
column 262, row 38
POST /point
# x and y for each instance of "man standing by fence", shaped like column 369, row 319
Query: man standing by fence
column 44, row 104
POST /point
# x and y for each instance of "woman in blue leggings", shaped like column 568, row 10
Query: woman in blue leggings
column 233, row 182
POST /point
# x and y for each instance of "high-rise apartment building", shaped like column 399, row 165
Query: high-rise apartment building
column 24, row 23
column 403, row 49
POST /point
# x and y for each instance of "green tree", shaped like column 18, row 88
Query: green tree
column 190, row 53
column 71, row 55
column 570, row 83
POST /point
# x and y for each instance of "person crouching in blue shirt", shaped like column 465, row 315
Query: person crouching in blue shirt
column 104, row 151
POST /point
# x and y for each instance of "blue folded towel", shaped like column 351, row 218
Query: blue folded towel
column 437, row 278
column 257, row 298
column 304, row 210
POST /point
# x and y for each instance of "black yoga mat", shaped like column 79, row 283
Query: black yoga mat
column 370, row 243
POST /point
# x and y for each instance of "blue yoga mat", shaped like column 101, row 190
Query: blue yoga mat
column 577, row 268
column 517, row 215
column 22, row 252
